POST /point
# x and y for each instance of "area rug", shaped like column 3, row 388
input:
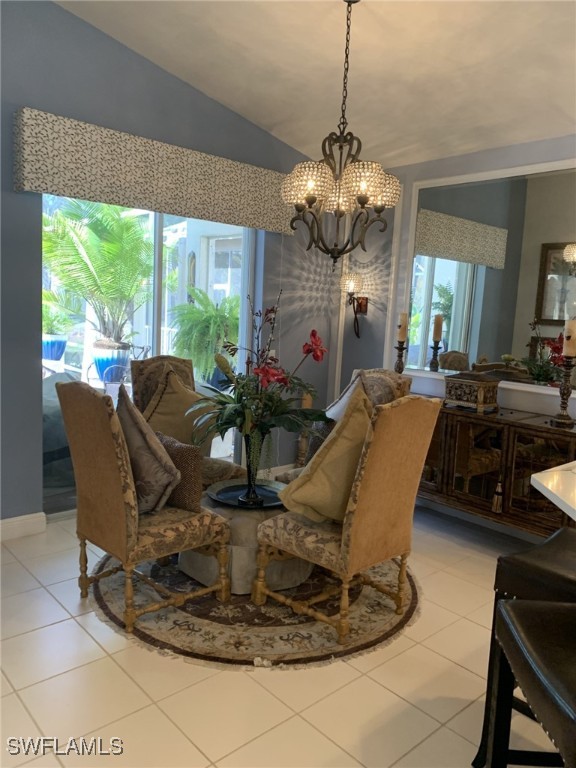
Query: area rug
column 240, row 633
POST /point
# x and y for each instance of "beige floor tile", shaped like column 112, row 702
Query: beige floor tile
column 110, row 637
column 421, row 567
column 68, row 524
column 16, row 723
column 293, row 744
column 149, row 740
column 524, row 734
column 15, row 579
column 482, row 615
column 455, row 594
column 432, row 618
column 372, row 724
column 88, row 698
column 51, row 569
column 5, row 686
column 5, row 555
column 444, row 749
column 46, row 761
column 53, row 539
column 68, row 593
column 464, row 642
column 45, row 652
column 432, row 683
column 439, row 548
column 298, row 688
column 477, row 569
column 37, row 609
column 373, row 659
column 160, row 676
column 224, row 712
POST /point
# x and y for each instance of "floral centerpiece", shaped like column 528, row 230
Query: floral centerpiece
column 545, row 366
column 265, row 396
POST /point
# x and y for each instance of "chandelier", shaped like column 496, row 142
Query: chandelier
column 340, row 197
column 570, row 257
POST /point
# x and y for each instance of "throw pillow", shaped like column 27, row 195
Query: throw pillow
column 166, row 411
column 188, row 461
column 322, row 490
column 155, row 475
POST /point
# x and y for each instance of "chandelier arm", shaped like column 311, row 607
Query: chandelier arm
column 365, row 225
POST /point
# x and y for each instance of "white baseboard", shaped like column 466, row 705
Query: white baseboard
column 23, row 525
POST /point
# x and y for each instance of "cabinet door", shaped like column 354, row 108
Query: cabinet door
column 475, row 468
column 534, row 452
column 432, row 474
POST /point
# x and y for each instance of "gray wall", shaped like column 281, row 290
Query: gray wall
column 53, row 61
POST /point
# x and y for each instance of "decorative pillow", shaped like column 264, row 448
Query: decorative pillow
column 188, row 461
column 155, row 475
column 383, row 386
column 216, row 470
column 319, row 431
column 166, row 412
column 322, row 490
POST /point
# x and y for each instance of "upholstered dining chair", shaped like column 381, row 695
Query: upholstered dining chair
column 108, row 513
column 146, row 375
column 377, row 524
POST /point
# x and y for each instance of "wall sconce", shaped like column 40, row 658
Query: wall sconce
column 352, row 284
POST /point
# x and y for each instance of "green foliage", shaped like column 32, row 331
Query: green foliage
column 444, row 302
column 102, row 254
column 59, row 312
column 203, row 327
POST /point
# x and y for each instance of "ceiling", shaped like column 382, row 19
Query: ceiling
column 427, row 79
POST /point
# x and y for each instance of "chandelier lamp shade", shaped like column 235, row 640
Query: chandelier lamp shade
column 570, row 254
column 339, row 198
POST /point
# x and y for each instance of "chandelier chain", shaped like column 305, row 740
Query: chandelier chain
column 343, row 123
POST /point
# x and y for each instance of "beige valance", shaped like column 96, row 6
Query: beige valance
column 61, row 156
column 450, row 237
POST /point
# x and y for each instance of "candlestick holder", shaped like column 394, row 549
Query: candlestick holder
column 399, row 364
column 563, row 419
column 433, row 364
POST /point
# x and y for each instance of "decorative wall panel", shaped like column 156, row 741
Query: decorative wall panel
column 61, row 156
column 450, row 237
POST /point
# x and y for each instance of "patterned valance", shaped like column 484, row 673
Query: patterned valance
column 450, row 237
column 61, row 156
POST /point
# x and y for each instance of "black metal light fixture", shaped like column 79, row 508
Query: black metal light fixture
column 340, row 197
column 351, row 283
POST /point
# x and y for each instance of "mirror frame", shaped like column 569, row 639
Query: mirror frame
column 398, row 301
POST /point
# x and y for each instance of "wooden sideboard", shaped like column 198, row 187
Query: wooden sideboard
column 482, row 464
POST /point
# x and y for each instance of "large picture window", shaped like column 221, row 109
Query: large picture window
column 134, row 283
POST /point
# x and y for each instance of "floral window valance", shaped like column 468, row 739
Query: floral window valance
column 70, row 158
column 450, row 237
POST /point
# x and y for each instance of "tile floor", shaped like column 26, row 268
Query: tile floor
column 416, row 703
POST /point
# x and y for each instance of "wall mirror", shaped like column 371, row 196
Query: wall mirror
column 478, row 248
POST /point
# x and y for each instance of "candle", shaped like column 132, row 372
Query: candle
column 569, row 346
column 402, row 326
column 437, row 332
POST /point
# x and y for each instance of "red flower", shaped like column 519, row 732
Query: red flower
column 314, row 347
column 556, row 347
column 270, row 375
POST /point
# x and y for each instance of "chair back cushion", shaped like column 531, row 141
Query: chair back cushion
column 166, row 411
column 378, row 520
column 322, row 489
column 155, row 474
column 106, row 497
column 147, row 375
column 188, row 460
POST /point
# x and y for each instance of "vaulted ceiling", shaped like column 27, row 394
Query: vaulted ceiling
column 427, row 79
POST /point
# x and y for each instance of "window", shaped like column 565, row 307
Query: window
column 443, row 287
column 148, row 282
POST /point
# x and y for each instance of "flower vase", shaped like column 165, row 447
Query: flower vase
column 253, row 445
